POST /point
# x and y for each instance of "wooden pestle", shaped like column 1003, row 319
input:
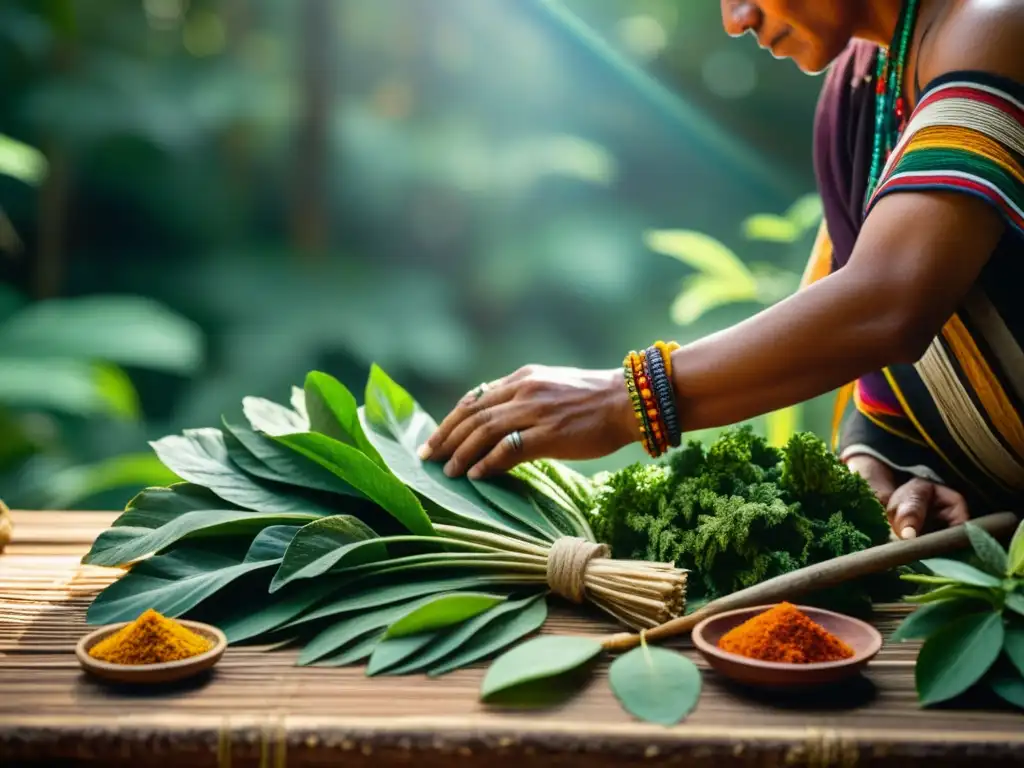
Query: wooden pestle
column 790, row 586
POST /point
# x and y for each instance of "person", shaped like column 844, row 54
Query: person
column 910, row 293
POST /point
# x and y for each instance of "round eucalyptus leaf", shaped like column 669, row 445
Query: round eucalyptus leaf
column 655, row 684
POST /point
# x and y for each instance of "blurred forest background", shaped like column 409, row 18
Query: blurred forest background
column 205, row 199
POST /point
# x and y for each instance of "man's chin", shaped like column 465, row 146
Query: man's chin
column 809, row 66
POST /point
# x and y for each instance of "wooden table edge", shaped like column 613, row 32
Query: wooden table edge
column 311, row 740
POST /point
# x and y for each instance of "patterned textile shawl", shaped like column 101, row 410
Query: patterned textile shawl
column 955, row 415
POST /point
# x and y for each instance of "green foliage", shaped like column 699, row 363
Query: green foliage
column 61, row 363
column 741, row 511
column 973, row 633
column 538, row 671
column 655, row 684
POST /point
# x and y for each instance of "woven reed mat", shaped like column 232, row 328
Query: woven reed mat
column 259, row 709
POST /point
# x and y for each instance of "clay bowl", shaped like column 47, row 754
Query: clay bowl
column 864, row 639
column 149, row 674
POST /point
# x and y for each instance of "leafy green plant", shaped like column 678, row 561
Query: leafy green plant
column 740, row 511
column 971, row 622
column 318, row 522
column 62, row 366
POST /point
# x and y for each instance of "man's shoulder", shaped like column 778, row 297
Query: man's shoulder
column 978, row 36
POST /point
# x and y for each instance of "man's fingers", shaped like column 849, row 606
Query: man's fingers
column 473, row 402
column 908, row 507
column 953, row 508
column 510, row 452
column 877, row 474
column 478, row 434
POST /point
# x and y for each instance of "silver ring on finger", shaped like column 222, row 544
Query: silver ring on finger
column 515, row 441
column 479, row 390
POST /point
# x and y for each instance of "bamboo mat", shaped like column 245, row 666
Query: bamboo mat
column 259, row 709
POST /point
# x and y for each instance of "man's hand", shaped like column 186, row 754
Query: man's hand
column 911, row 504
column 555, row 413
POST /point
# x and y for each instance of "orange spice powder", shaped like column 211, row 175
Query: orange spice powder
column 784, row 634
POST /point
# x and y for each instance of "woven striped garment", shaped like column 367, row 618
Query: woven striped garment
column 955, row 416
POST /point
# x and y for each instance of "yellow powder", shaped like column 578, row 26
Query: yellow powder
column 150, row 639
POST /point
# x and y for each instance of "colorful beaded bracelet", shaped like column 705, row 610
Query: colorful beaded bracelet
column 647, row 375
column 662, row 386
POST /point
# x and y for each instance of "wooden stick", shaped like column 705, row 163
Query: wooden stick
column 790, row 586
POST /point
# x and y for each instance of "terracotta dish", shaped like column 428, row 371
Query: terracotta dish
column 151, row 673
column 864, row 639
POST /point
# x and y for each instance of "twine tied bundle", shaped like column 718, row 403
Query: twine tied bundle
column 637, row 593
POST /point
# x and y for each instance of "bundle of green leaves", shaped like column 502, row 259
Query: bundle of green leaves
column 971, row 622
column 319, row 523
column 740, row 511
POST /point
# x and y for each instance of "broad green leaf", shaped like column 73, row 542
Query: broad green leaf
column 397, row 427
column 769, row 228
column 124, row 330
column 1015, row 559
column 394, row 650
column 201, row 457
column 358, row 651
column 333, row 411
column 249, row 621
column 69, row 386
column 158, row 505
column 318, row 546
column 1015, row 602
column 444, row 611
column 961, row 572
column 495, row 636
column 928, row 619
column 180, row 580
column 702, row 293
column 1013, row 644
column 1009, row 687
column 272, row 419
column 21, row 161
column 362, row 473
column 701, row 252
column 655, row 685
column 264, row 457
column 543, row 659
column 122, row 544
column 989, row 551
column 350, row 628
column 457, row 637
column 511, row 495
column 70, row 486
column 379, row 595
column 957, row 656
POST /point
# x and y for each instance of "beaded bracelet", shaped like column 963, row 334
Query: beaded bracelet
column 647, row 375
column 629, row 374
column 651, row 405
column 646, row 425
column 662, row 385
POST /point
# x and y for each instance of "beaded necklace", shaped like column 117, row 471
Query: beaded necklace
column 890, row 106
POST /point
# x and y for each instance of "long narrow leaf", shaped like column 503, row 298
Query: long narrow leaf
column 201, row 457
column 397, row 427
column 496, row 636
column 362, row 473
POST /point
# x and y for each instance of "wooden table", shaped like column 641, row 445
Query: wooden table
column 259, row 709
